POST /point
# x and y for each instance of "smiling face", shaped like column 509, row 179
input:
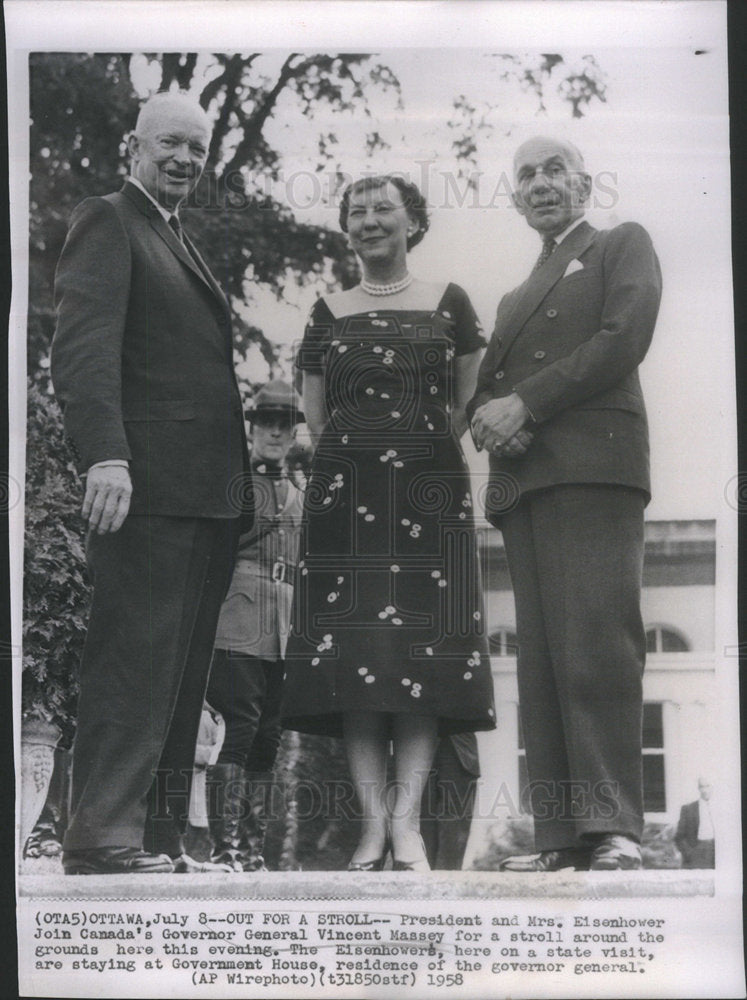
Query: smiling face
column 379, row 224
column 169, row 148
column 551, row 186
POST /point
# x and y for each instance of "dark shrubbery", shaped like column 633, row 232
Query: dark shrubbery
column 56, row 590
column 315, row 815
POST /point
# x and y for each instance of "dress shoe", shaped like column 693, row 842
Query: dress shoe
column 116, row 861
column 576, row 858
column 42, row 844
column 614, row 852
column 184, row 865
column 43, row 840
column 228, row 859
column 255, row 864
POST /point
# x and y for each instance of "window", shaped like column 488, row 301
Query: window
column 664, row 639
column 654, row 791
column 502, row 642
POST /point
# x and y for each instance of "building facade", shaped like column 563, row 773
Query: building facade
column 678, row 606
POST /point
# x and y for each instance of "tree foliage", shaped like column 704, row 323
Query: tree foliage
column 315, row 818
column 56, row 591
column 546, row 76
column 80, row 106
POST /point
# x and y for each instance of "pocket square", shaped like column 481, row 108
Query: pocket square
column 573, row 266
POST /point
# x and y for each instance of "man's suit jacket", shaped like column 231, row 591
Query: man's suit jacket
column 569, row 341
column 142, row 360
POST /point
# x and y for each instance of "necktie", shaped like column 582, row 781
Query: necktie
column 548, row 245
column 177, row 227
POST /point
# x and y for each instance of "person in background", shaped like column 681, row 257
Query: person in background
column 246, row 677
column 559, row 408
column 209, row 742
column 45, row 840
column 695, row 837
column 448, row 801
column 142, row 368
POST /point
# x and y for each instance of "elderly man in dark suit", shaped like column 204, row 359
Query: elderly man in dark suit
column 142, row 367
column 559, row 407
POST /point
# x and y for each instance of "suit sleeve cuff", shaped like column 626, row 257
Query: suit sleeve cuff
column 121, row 463
column 532, row 417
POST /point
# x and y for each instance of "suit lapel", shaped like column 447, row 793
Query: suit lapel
column 196, row 257
column 195, row 263
column 535, row 288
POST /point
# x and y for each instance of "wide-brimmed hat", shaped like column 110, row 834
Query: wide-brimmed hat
column 276, row 398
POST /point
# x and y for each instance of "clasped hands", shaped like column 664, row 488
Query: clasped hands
column 498, row 426
column 107, row 500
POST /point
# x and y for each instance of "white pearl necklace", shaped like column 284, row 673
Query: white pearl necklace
column 390, row 289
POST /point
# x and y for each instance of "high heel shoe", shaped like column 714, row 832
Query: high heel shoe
column 368, row 866
column 376, row 865
column 419, row 865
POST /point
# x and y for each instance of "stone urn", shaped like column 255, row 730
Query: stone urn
column 38, row 741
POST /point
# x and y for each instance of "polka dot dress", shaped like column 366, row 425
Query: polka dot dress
column 387, row 606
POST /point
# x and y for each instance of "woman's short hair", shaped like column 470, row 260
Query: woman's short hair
column 412, row 199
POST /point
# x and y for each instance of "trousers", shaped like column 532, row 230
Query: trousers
column 158, row 584
column 575, row 556
column 247, row 691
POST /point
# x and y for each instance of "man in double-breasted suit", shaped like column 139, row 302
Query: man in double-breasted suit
column 142, row 367
column 559, row 407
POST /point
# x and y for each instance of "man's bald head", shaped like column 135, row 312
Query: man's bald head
column 551, row 184
column 168, row 106
column 705, row 788
column 540, row 143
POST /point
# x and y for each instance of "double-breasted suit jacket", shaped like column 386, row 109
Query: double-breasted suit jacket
column 142, row 367
column 569, row 341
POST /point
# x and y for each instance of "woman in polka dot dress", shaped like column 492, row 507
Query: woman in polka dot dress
column 388, row 639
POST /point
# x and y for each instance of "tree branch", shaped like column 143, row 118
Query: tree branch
column 252, row 127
